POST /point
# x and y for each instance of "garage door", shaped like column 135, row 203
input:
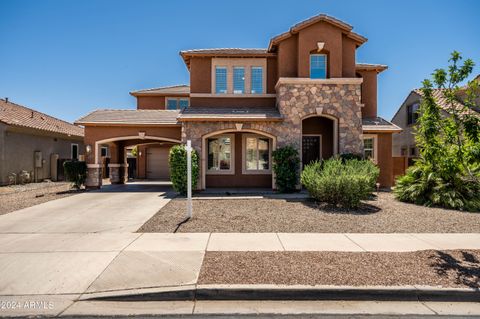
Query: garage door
column 157, row 163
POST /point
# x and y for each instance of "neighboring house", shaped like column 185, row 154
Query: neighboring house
column 306, row 89
column 32, row 141
column 404, row 144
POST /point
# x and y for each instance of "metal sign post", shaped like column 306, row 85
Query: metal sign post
column 189, row 179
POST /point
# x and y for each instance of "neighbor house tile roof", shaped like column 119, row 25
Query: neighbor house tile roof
column 379, row 124
column 182, row 89
column 230, row 113
column 442, row 101
column 129, row 117
column 21, row 116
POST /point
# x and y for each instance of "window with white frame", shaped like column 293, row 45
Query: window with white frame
column 369, row 148
column 220, row 153
column 318, row 66
column 256, row 153
column 220, row 79
column 74, row 151
column 256, row 80
column 104, row 151
column 238, row 80
column 176, row 103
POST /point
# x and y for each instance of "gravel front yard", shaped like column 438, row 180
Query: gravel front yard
column 382, row 215
column 17, row 197
column 432, row 268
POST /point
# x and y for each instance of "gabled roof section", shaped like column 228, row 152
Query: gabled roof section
column 345, row 27
column 181, row 89
column 370, row 67
column 21, row 116
column 379, row 124
column 223, row 52
column 129, row 117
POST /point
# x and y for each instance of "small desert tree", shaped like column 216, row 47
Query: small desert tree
column 448, row 171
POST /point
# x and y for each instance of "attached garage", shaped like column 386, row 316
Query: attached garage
column 157, row 163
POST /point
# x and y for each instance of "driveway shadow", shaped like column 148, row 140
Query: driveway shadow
column 463, row 266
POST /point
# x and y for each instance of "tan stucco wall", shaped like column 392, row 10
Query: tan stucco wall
column 18, row 146
column 200, row 75
column 405, row 138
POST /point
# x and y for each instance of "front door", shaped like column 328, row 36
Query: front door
column 310, row 149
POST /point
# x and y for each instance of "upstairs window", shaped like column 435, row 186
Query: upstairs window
column 412, row 113
column 238, row 80
column 174, row 103
column 256, row 79
column 220, row 79
column 318, row 66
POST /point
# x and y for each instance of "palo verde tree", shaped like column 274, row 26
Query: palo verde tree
column 447, row 173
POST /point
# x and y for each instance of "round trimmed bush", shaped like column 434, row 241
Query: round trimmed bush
column 340, row 183
column 177, row 160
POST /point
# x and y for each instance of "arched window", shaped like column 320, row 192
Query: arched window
column 318, row 66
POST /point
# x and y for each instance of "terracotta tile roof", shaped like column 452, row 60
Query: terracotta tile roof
column 345, row 27
column 379, row 124
column 442, row 101
column 367, row 66
column 230, row 113
column 21, row 116
column 164, row 90
column 222, row 52
column 130, row 117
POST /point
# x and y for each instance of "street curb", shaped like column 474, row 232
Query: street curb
column 297, row 293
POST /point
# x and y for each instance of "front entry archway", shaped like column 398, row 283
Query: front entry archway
column 319, row 138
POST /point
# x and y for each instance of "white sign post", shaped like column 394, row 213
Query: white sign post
column 189, row 179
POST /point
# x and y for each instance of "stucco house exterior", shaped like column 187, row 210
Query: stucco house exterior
column 32, row 141
column 404, row 144
column 306, row 89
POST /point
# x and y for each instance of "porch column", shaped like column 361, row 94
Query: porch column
column 94, row 176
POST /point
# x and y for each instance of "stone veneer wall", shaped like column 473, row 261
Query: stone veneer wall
column 342, row 101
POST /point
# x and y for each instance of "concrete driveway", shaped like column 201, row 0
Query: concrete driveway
column 114, row 208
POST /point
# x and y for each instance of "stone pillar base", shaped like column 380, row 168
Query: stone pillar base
column 115, row 174
column 94, row 176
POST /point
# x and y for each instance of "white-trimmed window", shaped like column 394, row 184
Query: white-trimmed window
column 220, row 154
column 256, row 80
column 370, row 147
column 104, row 151
column 74, row 151
column 256, row 154
column 220, row 79
column 177, row 103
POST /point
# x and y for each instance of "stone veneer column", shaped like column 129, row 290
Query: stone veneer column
column 94, row 176
column 118, row 173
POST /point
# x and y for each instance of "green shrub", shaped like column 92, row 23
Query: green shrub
column 286, row 165
column 423, row 186
column 177, row 160
column 340, row 183
column 75, row 172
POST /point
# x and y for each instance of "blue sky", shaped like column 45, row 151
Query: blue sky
column 66, row 58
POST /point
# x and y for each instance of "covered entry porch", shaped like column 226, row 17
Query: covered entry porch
column 152, row 132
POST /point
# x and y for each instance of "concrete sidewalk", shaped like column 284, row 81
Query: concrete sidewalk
column 68, row 267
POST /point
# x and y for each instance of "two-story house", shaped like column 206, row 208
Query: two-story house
column 306, row 89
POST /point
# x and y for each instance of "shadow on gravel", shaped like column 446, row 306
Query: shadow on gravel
column 364, row 209
column 463, row 266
